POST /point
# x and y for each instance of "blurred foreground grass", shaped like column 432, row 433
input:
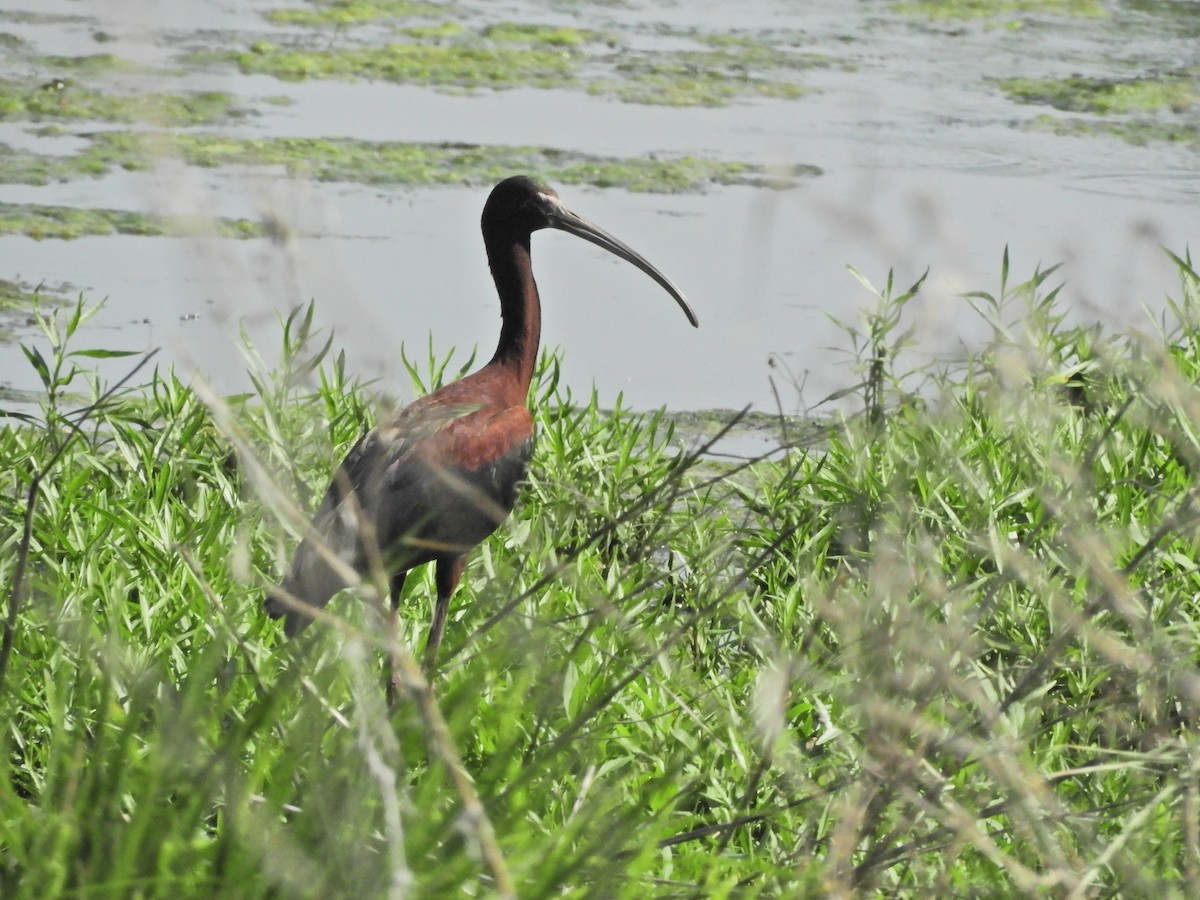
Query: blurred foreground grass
column 955, row 650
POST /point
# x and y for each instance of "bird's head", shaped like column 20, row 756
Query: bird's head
column 520, row 205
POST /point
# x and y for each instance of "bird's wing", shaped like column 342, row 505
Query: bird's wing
column 480, row 438
column 430, row 482
column 367, row 503
column 451, row 489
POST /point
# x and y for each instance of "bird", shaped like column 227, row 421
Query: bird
column 434, row 479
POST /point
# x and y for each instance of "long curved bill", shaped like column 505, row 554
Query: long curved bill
column 565, row 220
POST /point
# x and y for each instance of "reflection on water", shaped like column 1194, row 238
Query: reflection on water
column 922, row 164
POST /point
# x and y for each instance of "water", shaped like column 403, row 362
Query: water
column 922, row 167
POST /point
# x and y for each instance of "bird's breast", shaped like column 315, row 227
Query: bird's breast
column 455, row 486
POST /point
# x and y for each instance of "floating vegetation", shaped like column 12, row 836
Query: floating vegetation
column 705, row 78
column 1138, row 131
column 526, row 33
column 341, row 13
column 17, row 294
column 65, row 98
column 1136, row 110
column 387, row 163
column 992, row 9
column 507, row 54
column 89, row 64
column 17, row 300
column 64, row 222
column 1106, row 96
column 411, row 63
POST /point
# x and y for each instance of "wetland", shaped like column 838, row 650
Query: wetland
column 346, row 148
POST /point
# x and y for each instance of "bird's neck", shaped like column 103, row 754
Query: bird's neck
column 520, row 310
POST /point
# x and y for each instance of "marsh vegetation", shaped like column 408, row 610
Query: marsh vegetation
column 950, row 647
column 939, row 640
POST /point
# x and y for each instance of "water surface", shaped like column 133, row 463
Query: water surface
column 924, row 165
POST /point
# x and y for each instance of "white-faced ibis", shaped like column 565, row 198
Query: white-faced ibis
column 437, row 477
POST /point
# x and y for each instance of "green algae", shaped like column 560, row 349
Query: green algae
column 64, row 99
column 1105, row 96
column 18, row 300
column 61, row 89
column 21, row 296
column 1130, row 131
column 433, row 32
column 676, row 175
column 25, row 167
column 104, row 152
column 27, row 17
column 728, row 68
column 509, row 54
column 748, row 50
column 90, row 64
column 438, row 65
column 716, row 77
column 526, row 33
column 342, row 13
column 63, row 222
column 708, row 77
column 418, row 164
column 349, row 13
column 1135, row 110
column 17, row 295
column 993, row 9
column 673, row 84
column 386, row 163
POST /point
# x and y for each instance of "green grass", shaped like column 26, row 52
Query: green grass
column 951, row 653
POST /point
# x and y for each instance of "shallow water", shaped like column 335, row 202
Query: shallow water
column 922, row 167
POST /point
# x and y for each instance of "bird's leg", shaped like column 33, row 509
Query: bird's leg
column 397, row 588
column 449, row 571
